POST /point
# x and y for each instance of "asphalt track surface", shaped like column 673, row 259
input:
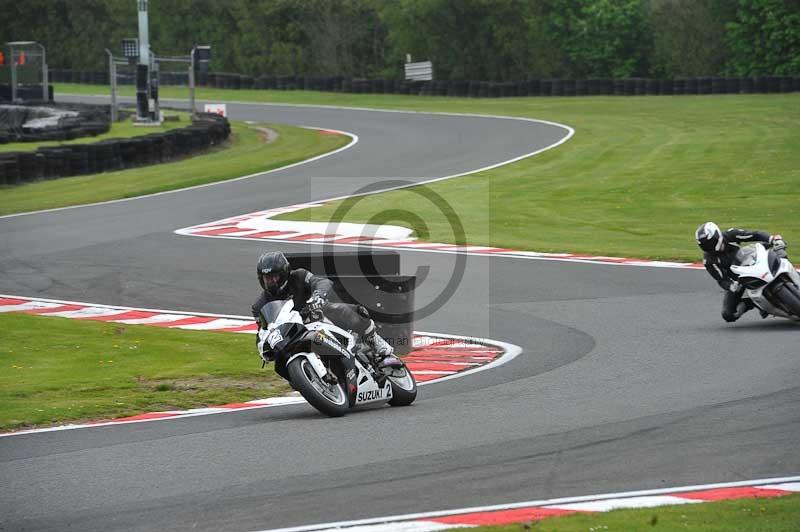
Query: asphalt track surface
column 629, row 379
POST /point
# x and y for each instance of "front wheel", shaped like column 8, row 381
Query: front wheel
column 404, row 386
column 788, row 295
column 330, row 399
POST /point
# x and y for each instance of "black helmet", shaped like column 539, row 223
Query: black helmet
column 273, row 272
column 709, row 237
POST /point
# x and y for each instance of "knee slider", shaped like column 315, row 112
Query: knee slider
column 362, row 311
column 729, row 316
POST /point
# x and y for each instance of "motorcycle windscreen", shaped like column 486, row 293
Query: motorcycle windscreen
column 271, row 310
column 746, row 256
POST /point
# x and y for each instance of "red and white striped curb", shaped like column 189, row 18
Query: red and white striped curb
column 261, row 226
column 539, row 510
column 435, row 357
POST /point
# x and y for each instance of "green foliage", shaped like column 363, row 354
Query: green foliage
column 498, row 40
column 602, row 38
column 689, row 36
column 765, row 37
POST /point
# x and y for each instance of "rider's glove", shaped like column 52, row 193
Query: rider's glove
column 317, row 302
column 734, row 286
column 777, row 242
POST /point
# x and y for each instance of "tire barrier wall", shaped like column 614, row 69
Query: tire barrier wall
column 113, row 154
column 472, row 89
column 27, row 93
column 86, row 121
column 370, row 279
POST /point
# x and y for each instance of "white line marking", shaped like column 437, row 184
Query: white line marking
column 89, row 312
column 789, row 486
column 32, row 305
column 628, row 502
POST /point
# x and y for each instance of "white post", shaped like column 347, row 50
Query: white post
column 143, row 95
column 144, row 42
column 45, row 91
column 13, row 75
column 112, row 78
column 191, row 85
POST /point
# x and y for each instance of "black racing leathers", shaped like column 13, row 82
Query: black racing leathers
column 718, row 264
column 301, row 285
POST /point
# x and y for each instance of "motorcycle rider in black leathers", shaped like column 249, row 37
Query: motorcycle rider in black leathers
column 311, row 291
column 719, row 252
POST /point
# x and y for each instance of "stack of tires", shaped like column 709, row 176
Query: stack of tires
column 113, row 154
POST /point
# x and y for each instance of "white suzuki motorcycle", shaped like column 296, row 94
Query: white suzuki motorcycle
column 770, row 282
column 330, row 368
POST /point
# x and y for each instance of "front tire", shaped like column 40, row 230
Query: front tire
column 330, row 399
column 404, row 387
column 788, row 295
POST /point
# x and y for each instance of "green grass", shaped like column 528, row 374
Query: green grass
column 55, row 370
column 636, row 179
column 244, row 153
column 122, row 129
column 744, row 515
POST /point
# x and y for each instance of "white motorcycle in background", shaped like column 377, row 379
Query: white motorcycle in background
column 330, row 368
column 770, row 281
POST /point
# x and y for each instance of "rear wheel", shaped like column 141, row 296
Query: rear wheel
column 330, row 399
column 788, row 295
column 404, row 386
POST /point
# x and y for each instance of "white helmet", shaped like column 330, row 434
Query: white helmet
column 709, row 237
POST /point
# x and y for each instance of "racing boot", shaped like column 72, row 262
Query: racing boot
column 384, row 354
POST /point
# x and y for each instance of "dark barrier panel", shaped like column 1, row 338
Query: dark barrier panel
column 390, row 301
column 347, row 263
column 371, row 279
column 472, row 88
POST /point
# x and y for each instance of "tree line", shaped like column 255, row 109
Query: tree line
column 498, row 40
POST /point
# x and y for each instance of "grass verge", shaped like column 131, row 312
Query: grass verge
column 55, row 370
column 636, row 179
column 779, row 514
column 246, row 152
column 122, row 129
